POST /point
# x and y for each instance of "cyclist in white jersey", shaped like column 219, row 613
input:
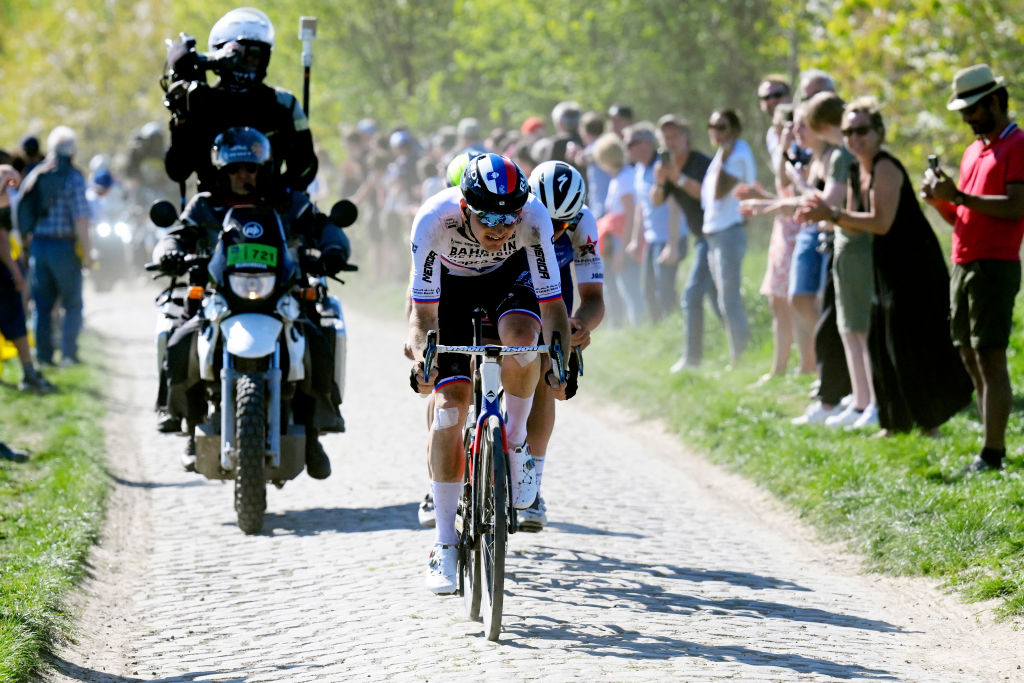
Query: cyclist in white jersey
column 486, row 243
column 561, row 188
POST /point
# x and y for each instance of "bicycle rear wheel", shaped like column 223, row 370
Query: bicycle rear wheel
column 493, row 498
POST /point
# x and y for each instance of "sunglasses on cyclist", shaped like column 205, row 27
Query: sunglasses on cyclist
column 565, row 225
column 492, row 219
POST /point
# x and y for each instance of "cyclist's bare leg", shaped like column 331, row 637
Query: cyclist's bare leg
column 446, row 456
column 541, row 423
column 518, row 378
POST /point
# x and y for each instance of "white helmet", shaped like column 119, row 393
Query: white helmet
column 560, row 187
column 243, row 23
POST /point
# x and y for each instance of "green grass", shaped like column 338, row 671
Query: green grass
column 896, row 501
column 50, row 508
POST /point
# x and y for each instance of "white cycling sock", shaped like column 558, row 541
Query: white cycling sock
column 538, row 469
column 446, row 503
column 518, row 410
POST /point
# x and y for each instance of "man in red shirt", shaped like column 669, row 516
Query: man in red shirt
column 987, row 214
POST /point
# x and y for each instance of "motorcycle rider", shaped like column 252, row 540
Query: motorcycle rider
column 242, row 41
column 244, row 163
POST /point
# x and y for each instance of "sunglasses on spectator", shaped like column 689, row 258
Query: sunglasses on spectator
column 857, row 130
column 772, row 95
column 634, row 141
column 718, row 126
column 492, row 219
column 232, row 169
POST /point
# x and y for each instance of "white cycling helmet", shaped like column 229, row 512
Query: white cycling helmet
column 560, row 187
column 248, row 35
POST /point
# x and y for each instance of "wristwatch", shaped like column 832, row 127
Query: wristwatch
column 958, row 198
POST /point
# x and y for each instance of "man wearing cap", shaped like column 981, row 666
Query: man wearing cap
column 986, row 211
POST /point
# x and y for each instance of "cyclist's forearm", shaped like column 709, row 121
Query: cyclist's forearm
column 590, row 312
column 555, row 319
column 421, row 321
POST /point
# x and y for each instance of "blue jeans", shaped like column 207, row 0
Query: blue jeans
column 725, row 258
column 56, row 274
column 660, row 280
column 698, row 285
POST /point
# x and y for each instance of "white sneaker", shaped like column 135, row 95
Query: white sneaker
column 847, row 417
column 815, row 414
column 534, row 517
column 442, row 574
column 524, row 478
column 426, row 512
column 846, row 401
column 868, row 418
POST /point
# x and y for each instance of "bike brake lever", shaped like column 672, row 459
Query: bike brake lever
column 579, row 359
column 429, row 351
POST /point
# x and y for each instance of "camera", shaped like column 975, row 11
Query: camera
column 933, row 162
column 186, row 64
column 665, row 157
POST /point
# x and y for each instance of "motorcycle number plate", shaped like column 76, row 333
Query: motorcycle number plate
column 252, row 255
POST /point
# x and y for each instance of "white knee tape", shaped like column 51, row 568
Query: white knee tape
column 445, row 418
column 525, row 359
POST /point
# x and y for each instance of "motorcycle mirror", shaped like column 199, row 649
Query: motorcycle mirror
column 344, row 213
column 163, row 214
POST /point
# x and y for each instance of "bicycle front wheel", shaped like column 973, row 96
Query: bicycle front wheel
column 493, row 498
column 469, row 546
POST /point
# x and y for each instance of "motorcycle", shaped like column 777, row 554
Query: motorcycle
column 251, row 351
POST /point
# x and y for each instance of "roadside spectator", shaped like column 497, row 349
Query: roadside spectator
column 591, row 128
column 623, row 300
column 12, row 310
column 52, row 209
column 678, row 177
column 814, row 81
column 986, row 211
column 772, row 91
column 565, row 143
column 620, row 116
column 918, row 378
column 470, row 138
column 30, row 153
column 664, row 225
column 533, row 129
column 724, row 228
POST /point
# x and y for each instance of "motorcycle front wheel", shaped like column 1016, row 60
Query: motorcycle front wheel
column 250, row 437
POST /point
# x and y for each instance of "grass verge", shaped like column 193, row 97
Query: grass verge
column 50, row 507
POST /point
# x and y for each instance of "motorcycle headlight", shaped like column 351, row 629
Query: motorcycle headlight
column 103, row 229
column 124, row 231
column 252, row 285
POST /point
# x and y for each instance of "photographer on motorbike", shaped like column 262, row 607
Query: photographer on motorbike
column 241, row 43
column 242, row 159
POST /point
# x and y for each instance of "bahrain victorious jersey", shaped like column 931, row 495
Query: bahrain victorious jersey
column 441, row 236
column 578, row 245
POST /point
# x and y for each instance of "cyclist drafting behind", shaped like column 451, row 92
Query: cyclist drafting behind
column 486, row 243
column 561, row 188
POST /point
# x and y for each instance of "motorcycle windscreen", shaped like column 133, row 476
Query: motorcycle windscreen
column 252, row 241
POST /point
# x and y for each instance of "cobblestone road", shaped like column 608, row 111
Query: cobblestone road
column 656, row 566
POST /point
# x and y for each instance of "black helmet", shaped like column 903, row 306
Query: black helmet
column 240, row 145
column 494, row 184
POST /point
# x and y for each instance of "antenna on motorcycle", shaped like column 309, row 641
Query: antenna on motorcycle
column 307, row 32
column 163, row 214
column 344, row 213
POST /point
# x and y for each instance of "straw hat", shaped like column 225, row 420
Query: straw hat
column 971, row 84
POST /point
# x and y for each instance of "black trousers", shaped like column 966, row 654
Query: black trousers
column 828, row 346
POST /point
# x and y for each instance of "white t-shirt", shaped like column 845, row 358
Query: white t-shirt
column 440, row 236
column 723, row 213
column 619, row 187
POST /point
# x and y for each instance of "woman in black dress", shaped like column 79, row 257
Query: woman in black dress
column 917, row 374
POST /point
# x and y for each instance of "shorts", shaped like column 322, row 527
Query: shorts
column 981, row 296
column 507, row 290
column 854, row 277
column 12, row 314
column 807, row 267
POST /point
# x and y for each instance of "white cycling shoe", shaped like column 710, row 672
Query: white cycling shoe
column 442, row 574
column 523, row 476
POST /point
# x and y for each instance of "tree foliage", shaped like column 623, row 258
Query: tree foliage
column 424, row 63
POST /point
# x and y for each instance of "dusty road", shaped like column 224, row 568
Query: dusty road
column 656, row 566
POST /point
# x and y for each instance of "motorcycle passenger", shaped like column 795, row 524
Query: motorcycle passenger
column 243, row 161
column 242, row 41
column 485, row 243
